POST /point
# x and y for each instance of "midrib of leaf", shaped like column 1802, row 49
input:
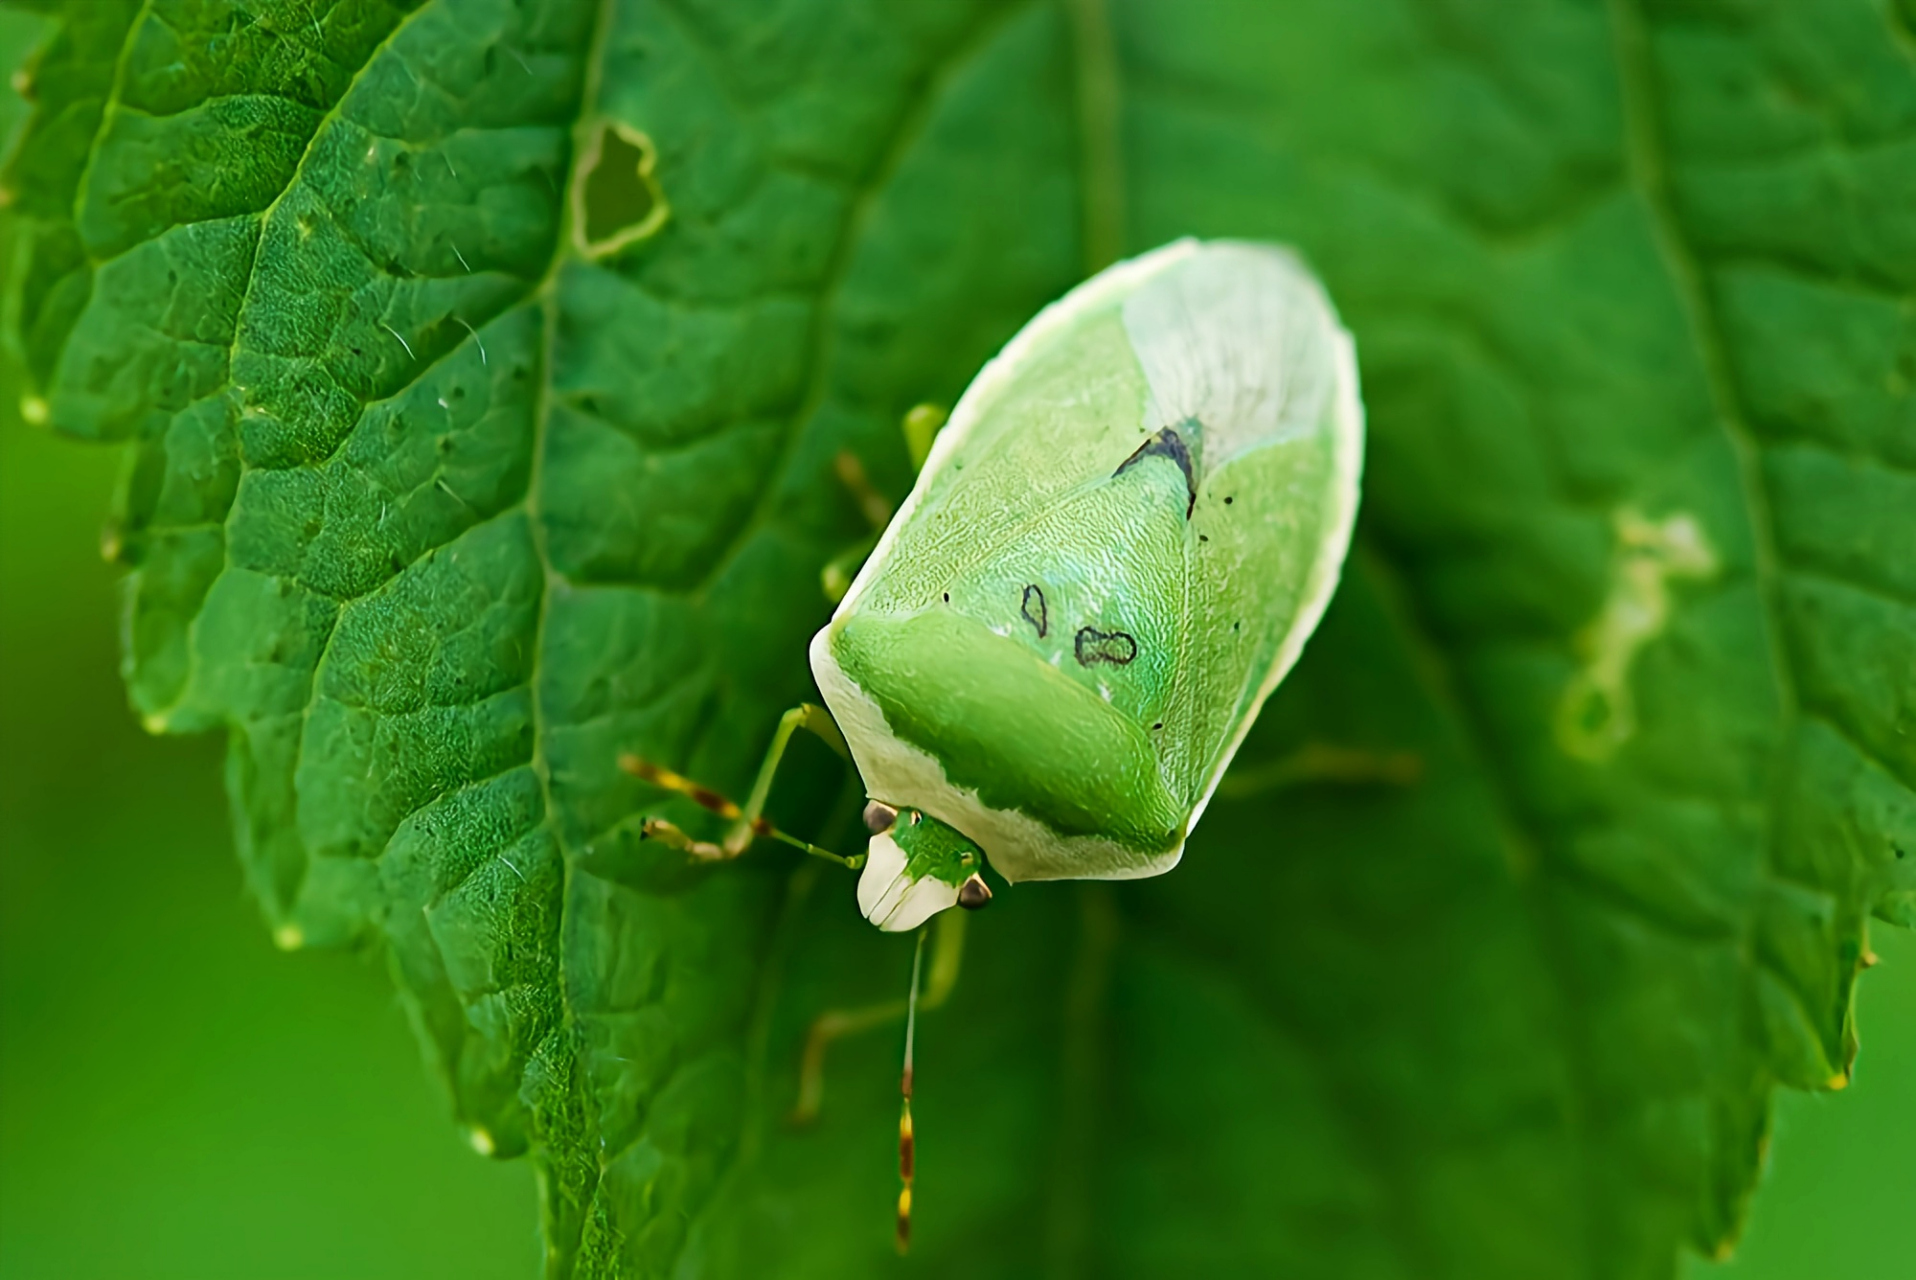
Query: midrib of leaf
column 547, row 292
column 907, row 128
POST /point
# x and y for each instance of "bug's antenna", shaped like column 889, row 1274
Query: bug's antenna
column 905, row 1152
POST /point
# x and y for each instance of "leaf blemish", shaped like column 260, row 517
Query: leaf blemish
column 1597, row 713
column 616, row 199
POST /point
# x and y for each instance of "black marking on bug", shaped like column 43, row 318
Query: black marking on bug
column 1114, row 647
column 1033, row 608
column 1167, row 443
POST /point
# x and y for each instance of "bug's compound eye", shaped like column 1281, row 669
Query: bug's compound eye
column 914, row 817
column 974, row 892
column 879, row 817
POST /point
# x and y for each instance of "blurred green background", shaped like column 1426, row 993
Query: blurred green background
column 178, row 1099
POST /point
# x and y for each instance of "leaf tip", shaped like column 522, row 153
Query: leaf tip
column 481, row 1141
column 289, row 937
column 34, row 411
column 1839, row 1081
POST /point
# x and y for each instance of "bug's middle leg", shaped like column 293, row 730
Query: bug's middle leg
column 947, row 957
column 921, row 425
column 1321, row 762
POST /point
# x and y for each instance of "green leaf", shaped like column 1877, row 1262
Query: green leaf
column 460, row 462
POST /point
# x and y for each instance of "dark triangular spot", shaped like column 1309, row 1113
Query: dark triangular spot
column 1167, row 444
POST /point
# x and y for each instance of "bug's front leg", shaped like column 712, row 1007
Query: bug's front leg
column 746, row 822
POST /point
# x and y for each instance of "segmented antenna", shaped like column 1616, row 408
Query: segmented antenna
column 905, row 1152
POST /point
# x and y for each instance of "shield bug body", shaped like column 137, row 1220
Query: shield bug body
column 1114, row 552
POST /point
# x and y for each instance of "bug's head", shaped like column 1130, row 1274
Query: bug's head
column 917, row 867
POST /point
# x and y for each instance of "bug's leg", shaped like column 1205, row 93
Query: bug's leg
column 836, row 577
column 872, row 504
column 922, row 424
column 673, row 837
column 746, row 823
column 839, row 571
column 750, row 821
column 1321, row 762
column 947, row 957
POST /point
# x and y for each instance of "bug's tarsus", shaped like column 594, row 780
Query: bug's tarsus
column 673, row 837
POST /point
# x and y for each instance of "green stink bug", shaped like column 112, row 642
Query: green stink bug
column 1113, row 553
column 1115, row 550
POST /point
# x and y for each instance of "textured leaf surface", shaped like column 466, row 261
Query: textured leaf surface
column 472, row 440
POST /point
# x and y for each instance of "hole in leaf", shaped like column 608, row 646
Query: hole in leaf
column 617, row 199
